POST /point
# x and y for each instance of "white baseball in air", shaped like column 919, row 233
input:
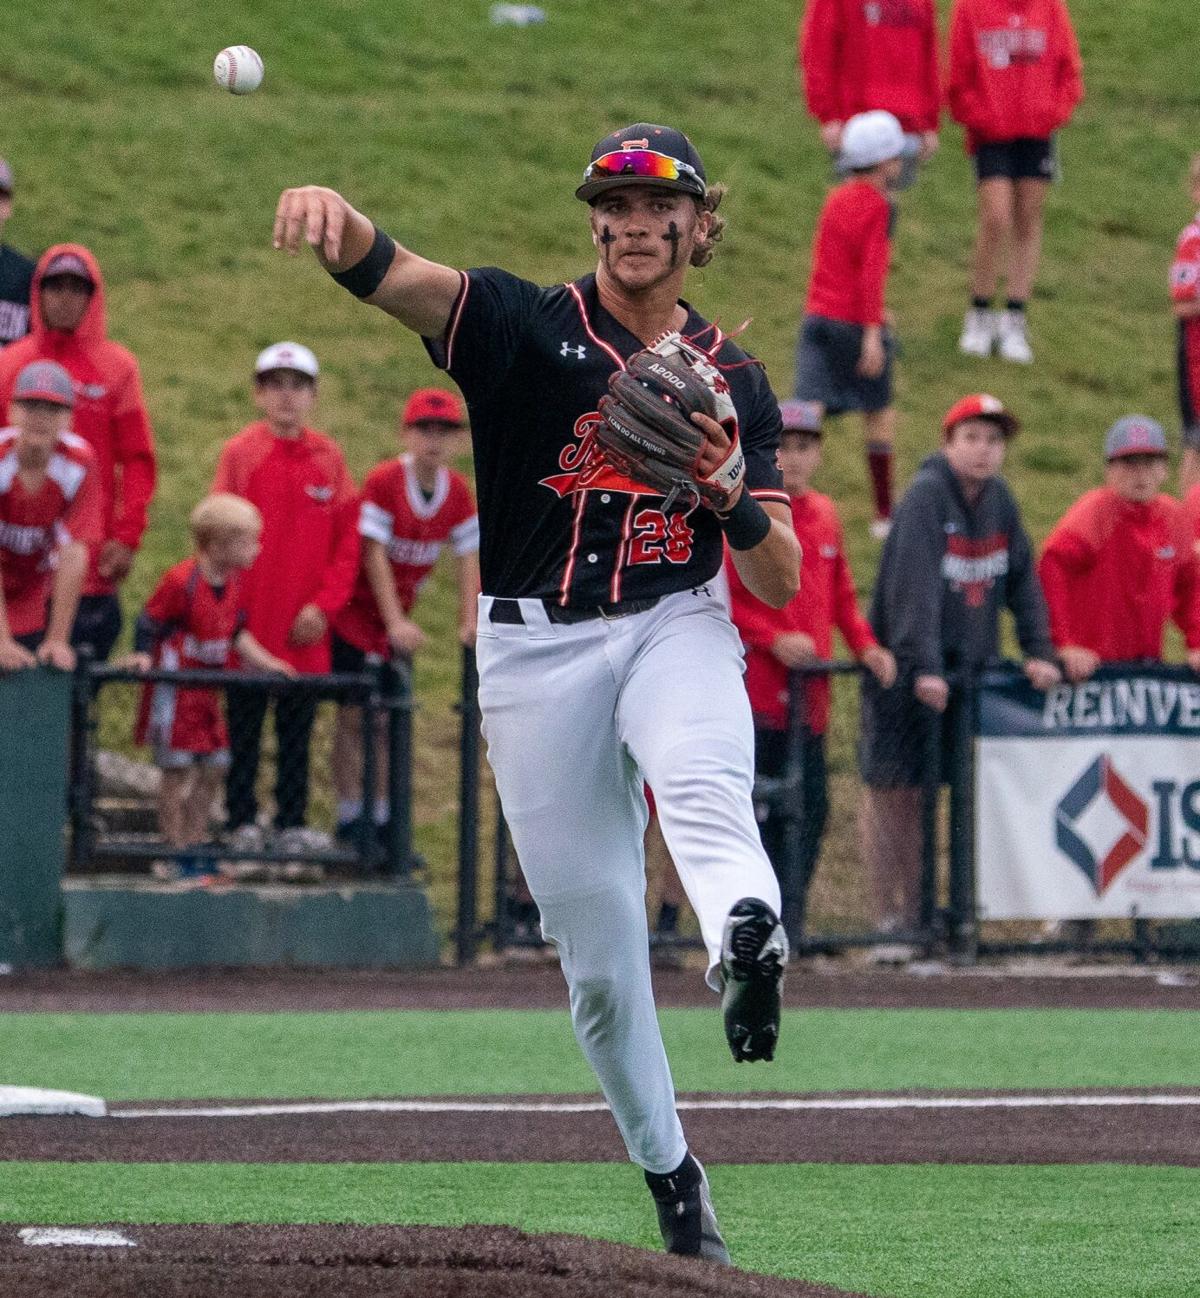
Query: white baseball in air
column 238, row 69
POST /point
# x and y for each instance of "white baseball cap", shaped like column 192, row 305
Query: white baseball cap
column 287, row 356
column 871, row 138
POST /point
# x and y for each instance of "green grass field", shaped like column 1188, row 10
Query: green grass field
column 465, row 140
column 919, row 1231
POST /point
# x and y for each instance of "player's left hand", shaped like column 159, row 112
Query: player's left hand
column 1042, row 675
column 717, row 445
column 310, row 625
column 114, row 561
column 57, row 654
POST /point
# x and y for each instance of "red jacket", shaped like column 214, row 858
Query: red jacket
column 826, row 599
column 109, row 413
column 1015, row 70
column 309, row 549
column 850, row 255
column 856, row 55
column 1114, row 571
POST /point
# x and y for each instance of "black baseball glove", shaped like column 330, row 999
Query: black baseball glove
column 646, row 430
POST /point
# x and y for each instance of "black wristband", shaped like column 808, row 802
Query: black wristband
column 364, row 277
column 746, row 524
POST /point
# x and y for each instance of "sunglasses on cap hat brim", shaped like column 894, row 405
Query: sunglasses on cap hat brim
column 639, row 167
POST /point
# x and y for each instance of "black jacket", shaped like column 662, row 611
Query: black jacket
column 948, row 567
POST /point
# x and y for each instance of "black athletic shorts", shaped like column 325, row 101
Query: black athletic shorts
column 1028, row 158
column 827, row 354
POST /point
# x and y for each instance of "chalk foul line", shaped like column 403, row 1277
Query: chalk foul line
column 781, row 1104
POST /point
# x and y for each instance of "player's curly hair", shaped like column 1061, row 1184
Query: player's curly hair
column 702, row 253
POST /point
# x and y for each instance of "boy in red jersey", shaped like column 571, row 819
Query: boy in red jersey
column 855, row 56
column 411, row 508
column 297, row 477
column 193, row 621
column 1185, row 298
column 844, row 355
column 1120, row 562
column 1015, row 78
column 801, row 632
column 50, row 512
column 68, row 326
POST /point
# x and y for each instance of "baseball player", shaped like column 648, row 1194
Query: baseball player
column 606, row 657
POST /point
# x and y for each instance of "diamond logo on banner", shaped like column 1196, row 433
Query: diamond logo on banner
column 1101, row 824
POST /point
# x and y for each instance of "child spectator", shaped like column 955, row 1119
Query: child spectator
column 1120, row 564
column 50, row 512
column 411, row 508
column 16, row 271
column 1015, row 79
column 856, row 56
column 193, row 621
column 304, row 573
column 844, row 356
column 957, row 555
column 801, row 632
column 1185, row 295
column 109, row 414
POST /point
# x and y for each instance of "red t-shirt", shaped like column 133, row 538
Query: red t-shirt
column 1015, row 70
column 826, row 599
column 1115, row 571
column 850, row 255
column 309, row 549
column 857, row 55
column 67, row 507
column 191, row 626
column 414, row 531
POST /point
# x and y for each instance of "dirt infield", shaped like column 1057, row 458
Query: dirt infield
column 541, row 987
column 1055, row 1128
column 306, row 1261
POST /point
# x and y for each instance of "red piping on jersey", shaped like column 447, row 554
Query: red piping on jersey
column 614, row 355
column 454, row 321
column 569, row 570
column 623, row 546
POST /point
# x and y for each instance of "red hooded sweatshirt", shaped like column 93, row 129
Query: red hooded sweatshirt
column 856, row 55
column 1114, row 571
column 826, row 599
column 1015, row 71
column 109, row 410
column 309, row 549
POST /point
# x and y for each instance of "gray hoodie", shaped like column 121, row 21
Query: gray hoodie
column 948, row 568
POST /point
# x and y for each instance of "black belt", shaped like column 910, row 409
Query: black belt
column 509, row 611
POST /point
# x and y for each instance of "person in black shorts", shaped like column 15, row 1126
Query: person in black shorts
column 16, row 272
column 606, row 656
column 1014, row 81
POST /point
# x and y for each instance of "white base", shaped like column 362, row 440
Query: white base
column 25, row 1101
column 73, row 1237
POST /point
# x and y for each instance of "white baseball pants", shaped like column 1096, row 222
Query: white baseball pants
column 575, row 718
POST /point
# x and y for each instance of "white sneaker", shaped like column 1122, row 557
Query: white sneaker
column 301, row 840
column 247, row 838
column 1014, row 340
column 980, row 326
column 880, row 529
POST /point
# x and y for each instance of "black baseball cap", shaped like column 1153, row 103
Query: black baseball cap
column 644, row 154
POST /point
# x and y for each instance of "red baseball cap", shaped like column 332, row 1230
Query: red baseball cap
column 434, row 406
column 981, row 406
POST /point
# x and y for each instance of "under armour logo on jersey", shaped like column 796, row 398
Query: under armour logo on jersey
column 578, row 352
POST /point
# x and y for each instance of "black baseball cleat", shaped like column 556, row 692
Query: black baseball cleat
column 754, row 951
column 685, row 1212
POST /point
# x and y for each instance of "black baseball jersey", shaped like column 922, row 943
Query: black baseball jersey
column 16, row 278
column 557, row 522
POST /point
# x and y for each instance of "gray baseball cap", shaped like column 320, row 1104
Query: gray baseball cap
column 6, row 180
column 801, row 417
column 44, row 381
column 1135, row 435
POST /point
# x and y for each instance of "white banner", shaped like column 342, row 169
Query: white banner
column 1087, row 799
